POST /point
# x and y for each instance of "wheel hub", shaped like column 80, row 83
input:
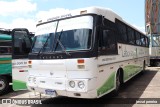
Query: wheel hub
column 2, row 85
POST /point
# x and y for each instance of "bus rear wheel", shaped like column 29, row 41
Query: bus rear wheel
column 4, row 85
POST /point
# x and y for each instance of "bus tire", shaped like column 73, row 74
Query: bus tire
column 117, row 84
column 157, row 64
column 4, row 85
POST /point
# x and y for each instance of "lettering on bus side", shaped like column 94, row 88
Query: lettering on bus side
column 128, row 53
column 132, row 53
column 19, row 63
column 108, row 59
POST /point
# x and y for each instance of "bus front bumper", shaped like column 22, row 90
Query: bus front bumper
column 55, row 93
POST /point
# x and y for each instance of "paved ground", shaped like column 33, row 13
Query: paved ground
column 145, row 85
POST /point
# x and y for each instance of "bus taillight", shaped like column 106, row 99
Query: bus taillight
column 80, row 61
column 21, row 70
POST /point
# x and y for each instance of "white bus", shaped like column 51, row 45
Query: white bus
column 154, row 49
column 86, row 53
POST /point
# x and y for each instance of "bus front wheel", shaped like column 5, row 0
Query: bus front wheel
column 4, row 85
column 117, row 83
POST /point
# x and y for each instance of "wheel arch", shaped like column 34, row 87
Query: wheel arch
column 8, row 76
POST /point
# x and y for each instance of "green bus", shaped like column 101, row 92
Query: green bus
column 8, row 54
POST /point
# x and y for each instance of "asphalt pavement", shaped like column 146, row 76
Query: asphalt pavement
column 143, row 90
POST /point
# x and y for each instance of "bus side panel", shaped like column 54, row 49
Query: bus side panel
column 19, row 74
column 106, row 80
column 134, row 58
column 21, row 44
column 129, row 58
column 5, row 66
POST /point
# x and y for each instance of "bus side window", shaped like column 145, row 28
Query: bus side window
column 131, row 35
column 138, row 39
column 143, row 40
column 104, row 39
column 109, row 39
column 5, row 47
column 122, row 32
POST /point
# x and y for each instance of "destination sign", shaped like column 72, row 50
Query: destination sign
column 59, row 17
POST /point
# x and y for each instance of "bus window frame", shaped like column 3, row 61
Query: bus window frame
column 136, row 34
column 103, row 50
column 92, row 44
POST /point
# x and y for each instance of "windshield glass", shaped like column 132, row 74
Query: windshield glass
column 74, row 34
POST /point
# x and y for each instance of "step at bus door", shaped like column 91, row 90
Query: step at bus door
column 21, row 45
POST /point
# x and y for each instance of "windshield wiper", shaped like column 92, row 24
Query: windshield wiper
column 55, row 36
column 47, row 40
column 60, row 43
column 44, row 45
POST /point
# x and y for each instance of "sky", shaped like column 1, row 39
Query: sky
column 25, row 13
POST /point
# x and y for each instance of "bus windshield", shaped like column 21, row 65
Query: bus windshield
column 72, row 34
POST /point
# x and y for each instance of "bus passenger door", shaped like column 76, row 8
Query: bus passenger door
column 21, row 45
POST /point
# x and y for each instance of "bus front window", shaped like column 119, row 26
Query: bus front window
column 78, row 39
column 72, row 34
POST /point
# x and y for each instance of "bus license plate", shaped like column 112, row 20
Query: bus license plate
column 50, row 92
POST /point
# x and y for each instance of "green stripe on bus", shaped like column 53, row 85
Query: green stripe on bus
column 130, row 70
column 6, row 68
column 108, row 85
column 5, row 37
column 17, row 85
column 2, row 59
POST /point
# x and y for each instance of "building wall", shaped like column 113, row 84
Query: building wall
column 152, row 16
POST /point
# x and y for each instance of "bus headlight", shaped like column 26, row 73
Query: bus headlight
column 72, row 84
column 81, row 84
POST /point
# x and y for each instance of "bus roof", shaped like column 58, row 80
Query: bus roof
column 106, row 12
